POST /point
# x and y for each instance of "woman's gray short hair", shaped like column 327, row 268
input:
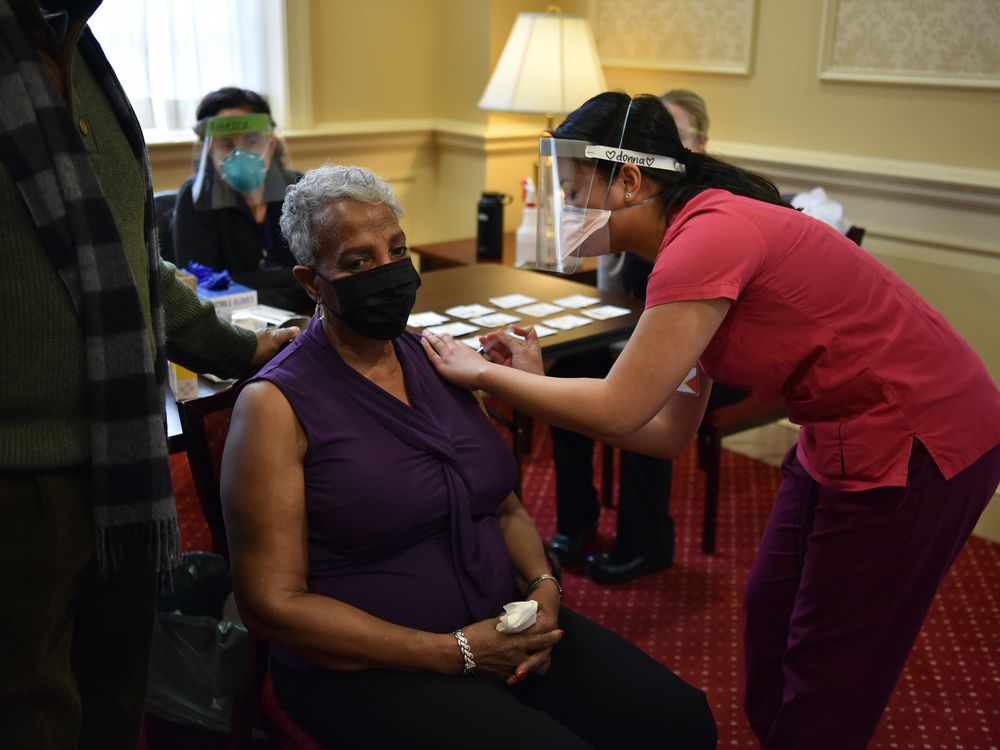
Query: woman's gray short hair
column 317, row 188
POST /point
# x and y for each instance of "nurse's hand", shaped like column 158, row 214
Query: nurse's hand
column 455, row 362
column 520, row 353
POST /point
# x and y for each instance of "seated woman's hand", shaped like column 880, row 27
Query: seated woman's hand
column 546, row 621
column 523, row 353
column 498, row 655
column 454, row 361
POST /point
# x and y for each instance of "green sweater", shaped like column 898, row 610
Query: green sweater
column 44, row 419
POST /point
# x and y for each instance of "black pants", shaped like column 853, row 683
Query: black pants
column 74, row 645
column 600, row 692
column 645, row 527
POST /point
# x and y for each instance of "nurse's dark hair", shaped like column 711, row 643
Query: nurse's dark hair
column 651, row 129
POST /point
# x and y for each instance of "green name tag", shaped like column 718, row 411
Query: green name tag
column 231, row 124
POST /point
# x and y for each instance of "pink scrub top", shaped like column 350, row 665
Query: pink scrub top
column 864, row 363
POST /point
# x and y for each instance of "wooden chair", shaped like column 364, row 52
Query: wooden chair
column 205, row 422
column 744, row 415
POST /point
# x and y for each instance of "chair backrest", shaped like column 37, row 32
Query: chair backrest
column 856, row 234
column 205, row 422
column 164, row 204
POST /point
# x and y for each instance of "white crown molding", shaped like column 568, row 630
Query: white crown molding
column 487, row 139
column 935, row 249
column 370, row 135
column 362, row 127
column 932, row 183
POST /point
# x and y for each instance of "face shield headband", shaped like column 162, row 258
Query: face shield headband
column 236, row 159
column 569, row 227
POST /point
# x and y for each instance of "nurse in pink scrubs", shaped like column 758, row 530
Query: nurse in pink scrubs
column 899, row 447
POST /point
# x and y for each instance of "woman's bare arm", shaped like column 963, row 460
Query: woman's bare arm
column 528, row 555
column 523, row 541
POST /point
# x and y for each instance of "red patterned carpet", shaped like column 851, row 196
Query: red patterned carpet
column 689, row 617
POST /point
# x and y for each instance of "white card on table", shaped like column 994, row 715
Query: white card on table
column 512, row 300
column 452, row 329
column 606, row 311
column 494, row 320
column 540, row 310
column 566, row 322
column 576, row 301
column 469, row 311
column 471, row 341
column 542, row 331
column 424, row 319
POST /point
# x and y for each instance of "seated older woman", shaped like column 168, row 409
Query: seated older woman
column 375, row 537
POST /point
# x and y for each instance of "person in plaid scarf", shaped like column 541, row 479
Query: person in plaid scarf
column 89, row 525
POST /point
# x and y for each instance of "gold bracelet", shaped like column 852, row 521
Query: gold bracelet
column 543, row 577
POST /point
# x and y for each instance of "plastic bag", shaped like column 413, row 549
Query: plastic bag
column 199, row 663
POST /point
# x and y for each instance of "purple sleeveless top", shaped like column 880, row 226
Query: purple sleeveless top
column 401, row 500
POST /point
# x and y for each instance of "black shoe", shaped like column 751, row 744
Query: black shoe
column 570, row 548
column 604, row 568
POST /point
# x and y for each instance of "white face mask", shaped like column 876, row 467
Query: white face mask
column 568, row 228
column 583, row 232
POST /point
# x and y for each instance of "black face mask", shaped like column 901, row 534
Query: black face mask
column 378, row 302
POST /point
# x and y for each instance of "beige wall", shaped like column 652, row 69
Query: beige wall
column 784, row 103
column 405, row 59
column 359, row 70
column 374, row 59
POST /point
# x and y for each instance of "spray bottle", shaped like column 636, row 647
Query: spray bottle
column 527, row 253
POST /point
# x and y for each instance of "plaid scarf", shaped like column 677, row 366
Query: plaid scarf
column 134, row 513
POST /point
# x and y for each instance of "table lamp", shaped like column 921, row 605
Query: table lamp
column 548, row 66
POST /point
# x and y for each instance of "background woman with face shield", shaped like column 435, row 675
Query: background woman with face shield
column 227, row 212
column 899, row 447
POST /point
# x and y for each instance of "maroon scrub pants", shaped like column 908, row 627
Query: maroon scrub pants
column 838, row 592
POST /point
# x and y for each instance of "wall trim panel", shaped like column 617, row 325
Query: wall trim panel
column 951, row 43
column 897, row 188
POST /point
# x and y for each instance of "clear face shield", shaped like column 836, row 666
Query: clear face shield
column 237, row 159
column 573, row 217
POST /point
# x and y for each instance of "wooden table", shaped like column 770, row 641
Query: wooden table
column 465, row 285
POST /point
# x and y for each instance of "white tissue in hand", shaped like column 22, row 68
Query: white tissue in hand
column 518, row 616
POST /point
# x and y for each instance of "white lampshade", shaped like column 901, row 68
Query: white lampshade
column 548, row 66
